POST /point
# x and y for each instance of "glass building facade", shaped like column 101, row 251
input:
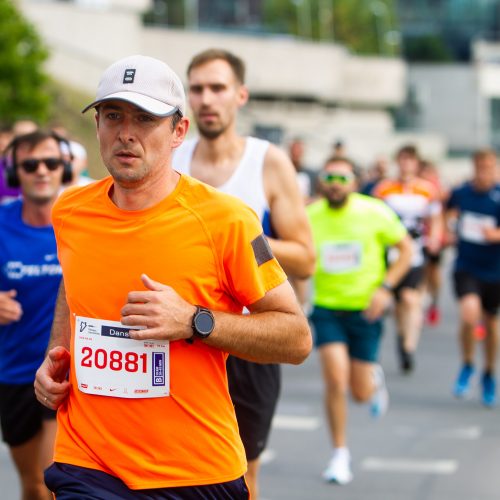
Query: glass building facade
column 452, row 23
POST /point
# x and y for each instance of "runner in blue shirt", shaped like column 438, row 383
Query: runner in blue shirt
column 476, row 208
column 30, row 275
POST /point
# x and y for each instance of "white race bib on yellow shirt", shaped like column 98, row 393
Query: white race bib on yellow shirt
column 342, row 257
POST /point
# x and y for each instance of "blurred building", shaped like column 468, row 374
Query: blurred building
column 447, row 29
column 460, row 101
column 319, row 91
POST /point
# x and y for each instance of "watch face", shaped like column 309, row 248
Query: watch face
column 204, row 323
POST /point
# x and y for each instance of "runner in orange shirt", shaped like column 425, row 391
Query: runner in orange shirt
column 415, row 201
column 156, row 270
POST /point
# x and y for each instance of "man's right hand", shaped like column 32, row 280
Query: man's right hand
column 10, row 309
column 51, row 384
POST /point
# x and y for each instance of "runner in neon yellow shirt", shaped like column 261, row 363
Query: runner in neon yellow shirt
column 352, row 288
column 350, row 243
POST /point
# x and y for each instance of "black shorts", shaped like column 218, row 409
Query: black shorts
column 21, row 415
column 488, row 292
column 412, row 279
column 70, row 482
column 254, row 389
column 433, row 258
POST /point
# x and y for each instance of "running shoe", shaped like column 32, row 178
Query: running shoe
column 339, row 467
column 380, row 399
column 406, row 359
column 489, row 390
column 462, row 384
column 433, row 315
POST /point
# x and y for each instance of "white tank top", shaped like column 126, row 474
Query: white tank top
column 246, row 182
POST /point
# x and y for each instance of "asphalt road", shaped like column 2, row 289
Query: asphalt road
column 428, row 447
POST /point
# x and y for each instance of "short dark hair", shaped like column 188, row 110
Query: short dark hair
column 339, row 159
column 176, row 118
column 408, row 149
column 35, row 138
column 209, row 55
column 480, row 154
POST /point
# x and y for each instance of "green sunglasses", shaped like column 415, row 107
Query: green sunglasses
column 329, row 178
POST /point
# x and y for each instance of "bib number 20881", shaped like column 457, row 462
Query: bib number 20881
column 114, row 360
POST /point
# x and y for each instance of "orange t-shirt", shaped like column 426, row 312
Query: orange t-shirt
column 198, row 241
column 414, row 202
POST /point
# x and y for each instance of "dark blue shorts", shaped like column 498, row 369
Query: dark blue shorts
column 361, row 336
column 69, row 482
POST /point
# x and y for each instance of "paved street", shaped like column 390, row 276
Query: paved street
column 428, row 447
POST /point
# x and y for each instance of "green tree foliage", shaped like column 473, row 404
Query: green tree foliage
column 23, row 83
column 165, row 12
column 364, row 26
column 427, row 48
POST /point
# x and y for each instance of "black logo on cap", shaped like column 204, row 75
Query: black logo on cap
column 128, row 76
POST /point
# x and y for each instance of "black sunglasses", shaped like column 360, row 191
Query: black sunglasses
column 31, row 165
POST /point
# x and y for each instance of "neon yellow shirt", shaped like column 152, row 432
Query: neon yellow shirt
column 350, row 244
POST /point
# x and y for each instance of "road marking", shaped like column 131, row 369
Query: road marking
column 465, row 433
column 294, row 423
column 405, row 465
column 468, row 433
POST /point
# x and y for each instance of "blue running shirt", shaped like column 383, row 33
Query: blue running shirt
column 477, row 210
column 28, row 264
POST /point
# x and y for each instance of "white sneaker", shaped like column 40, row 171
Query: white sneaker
column 339, row 467
column 380, row 399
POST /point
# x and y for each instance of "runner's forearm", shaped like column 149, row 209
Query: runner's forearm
column 60, row 333
column 266, row 337
column 400, row 267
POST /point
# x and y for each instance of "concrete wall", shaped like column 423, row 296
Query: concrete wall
column 287, row 67
column 318, row 91
column 450, row 102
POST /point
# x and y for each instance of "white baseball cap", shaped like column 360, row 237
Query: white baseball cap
column 148, row 83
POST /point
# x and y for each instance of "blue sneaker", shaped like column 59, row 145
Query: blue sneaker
column 462, row 384
column 380, row 398
column 489, row 390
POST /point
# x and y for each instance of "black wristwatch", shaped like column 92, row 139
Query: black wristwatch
column 203, row 323
column 387, row 287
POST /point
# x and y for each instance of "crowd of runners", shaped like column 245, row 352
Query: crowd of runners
column 154, row 295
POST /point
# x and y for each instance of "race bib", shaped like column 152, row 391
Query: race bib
column 472, row 226
column 109, row 363
column 417, row 254
column 337, row 258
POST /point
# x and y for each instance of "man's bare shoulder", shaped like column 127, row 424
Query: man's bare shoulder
column 278, row 167
column 277, row 157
